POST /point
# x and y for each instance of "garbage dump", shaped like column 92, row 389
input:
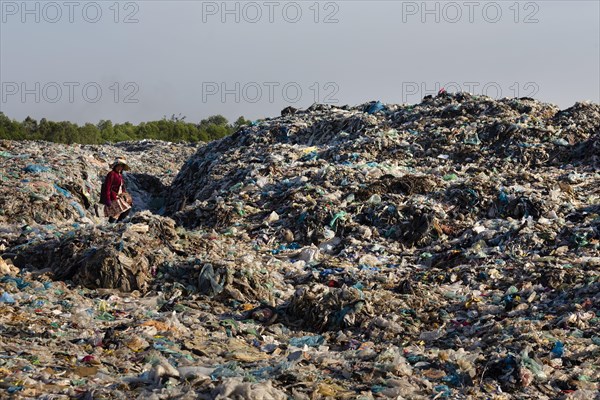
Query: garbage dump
column 448, row 249
column 47, row 184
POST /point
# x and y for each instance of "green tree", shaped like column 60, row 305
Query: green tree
column 10, row 129
column 107, row 130
column 30, row 126
column 123, row 132
column 148, row 130
column 217, row 131
column 71, row 132
column 214, row 120
column 89, row 134
column 174, row 129
column 240, row 122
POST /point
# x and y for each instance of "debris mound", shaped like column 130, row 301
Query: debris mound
column 46, row 186
column 123, row 257
column 448, row 249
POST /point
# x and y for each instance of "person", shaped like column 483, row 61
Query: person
column 117, row 202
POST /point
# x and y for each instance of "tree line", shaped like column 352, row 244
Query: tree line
column 173, row 129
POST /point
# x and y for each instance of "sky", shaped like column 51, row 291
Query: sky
column 87, row 61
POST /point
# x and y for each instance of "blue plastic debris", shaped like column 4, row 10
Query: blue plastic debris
column 331, row 271
column 312, row 341
column 62, row 191
column 36, row 169
column 283, row 247
column 7, row 298
column 503, row 197
column 14, row 389
column 19, row 282
column 442, row 391
column 78, row 207
column 364, row 267
column 341, row 215
column 313, row 155
column 558, row 350
column 375, row 107
column 228, row 370
column 377, row 388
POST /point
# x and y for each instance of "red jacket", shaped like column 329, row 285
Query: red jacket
column 113, row 181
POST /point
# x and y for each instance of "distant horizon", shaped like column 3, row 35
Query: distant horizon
column 232, row 120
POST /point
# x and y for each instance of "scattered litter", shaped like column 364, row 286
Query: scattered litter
column 449, row 249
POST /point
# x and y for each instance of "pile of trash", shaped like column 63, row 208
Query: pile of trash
column 449, row 249
column 46, row 186
column 294, row 171
column 130, row 257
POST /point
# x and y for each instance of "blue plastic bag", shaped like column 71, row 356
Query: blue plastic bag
column 312, row 341
column 36, row 169
column 375, row 107
column 7, row 298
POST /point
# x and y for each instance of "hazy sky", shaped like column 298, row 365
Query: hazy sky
column 133, row 61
